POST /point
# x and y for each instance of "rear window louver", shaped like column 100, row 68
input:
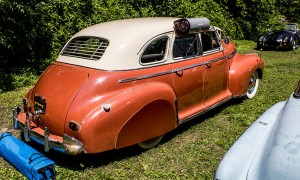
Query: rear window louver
column 91, row 48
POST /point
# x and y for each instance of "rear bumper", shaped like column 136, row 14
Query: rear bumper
column 64, row 144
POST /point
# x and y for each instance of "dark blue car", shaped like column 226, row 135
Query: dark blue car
column 280, row 37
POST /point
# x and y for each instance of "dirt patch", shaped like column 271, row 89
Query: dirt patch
column 3, row 130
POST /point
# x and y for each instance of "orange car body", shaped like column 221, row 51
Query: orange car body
column 122, row 97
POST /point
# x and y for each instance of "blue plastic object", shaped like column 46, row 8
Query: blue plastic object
column 25, row 159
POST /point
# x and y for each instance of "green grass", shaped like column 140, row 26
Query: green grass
column 194, row 150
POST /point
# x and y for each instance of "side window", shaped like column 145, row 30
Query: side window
column 209, row 41
column 186, row 46
column 155, row 51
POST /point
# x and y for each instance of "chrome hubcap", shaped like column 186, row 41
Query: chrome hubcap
column 252, row 83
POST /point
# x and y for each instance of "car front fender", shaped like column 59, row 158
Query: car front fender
column 241, row 69
column 135, row 115
column 238, row 159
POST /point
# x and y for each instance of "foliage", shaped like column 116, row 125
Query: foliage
column 12, row 80
column 193, row 151
column 251, row 17
column 289, row 9
column 33, row 32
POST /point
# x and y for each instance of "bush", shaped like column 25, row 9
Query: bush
column 33, row 32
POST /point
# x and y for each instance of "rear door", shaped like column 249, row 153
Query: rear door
column 188, row 74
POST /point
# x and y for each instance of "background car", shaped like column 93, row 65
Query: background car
column 270, row 148
column 127, row 82
column 280, row 37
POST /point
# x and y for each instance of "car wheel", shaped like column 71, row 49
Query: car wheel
column 259, row 47
column 148, row 144
column 293, row 45
column 253, row 85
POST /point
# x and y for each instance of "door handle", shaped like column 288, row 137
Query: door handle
column 208, row 65
column 179, row 72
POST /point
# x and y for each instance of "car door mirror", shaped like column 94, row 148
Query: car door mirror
column 226, row 40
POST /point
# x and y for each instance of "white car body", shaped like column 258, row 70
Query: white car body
column 270, row 148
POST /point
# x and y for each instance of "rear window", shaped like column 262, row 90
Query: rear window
column 91, row 48
column 155, row 51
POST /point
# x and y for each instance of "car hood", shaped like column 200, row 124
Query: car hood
column 269, row 148
column 279, row 157
column 58, row 86
column 278, row 35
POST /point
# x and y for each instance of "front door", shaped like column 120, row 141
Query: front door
column 216, row 70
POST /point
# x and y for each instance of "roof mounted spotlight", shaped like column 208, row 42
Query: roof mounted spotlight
column 191, row 25
column 297, row 91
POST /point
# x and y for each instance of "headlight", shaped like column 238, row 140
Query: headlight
column 285, row 39
column 261, row 38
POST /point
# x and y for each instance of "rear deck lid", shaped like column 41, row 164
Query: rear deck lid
column 54, row 94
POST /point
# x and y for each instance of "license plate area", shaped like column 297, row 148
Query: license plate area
column 39, row 104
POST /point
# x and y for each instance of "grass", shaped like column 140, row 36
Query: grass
column 192, row 151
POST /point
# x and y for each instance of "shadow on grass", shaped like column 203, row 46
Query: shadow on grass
column 82, row 161
column 270, row 49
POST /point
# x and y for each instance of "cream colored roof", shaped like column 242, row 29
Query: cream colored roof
column 126, row 38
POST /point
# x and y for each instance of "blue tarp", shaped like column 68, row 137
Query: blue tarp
column 25, row 159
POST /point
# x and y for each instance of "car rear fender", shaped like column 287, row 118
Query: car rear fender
column 241, row 69
column 154, row 119
column 154, row 114
column 132, row 116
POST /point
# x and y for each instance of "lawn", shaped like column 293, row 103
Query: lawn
column 192, row 151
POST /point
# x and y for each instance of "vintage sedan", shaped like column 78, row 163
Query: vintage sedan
column 126, row 82
column 270, row 148
column 280, row 37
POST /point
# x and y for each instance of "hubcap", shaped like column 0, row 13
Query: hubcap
column 252, row 82
column 294, row 45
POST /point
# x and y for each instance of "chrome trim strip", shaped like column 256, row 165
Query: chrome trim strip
column 204, row 111
column 15, row 121
column 27, row 128
column 46, row 140
column 239, row 96
column 230, row 55
column 190, row 67
column 216, row 60
column 145, row 77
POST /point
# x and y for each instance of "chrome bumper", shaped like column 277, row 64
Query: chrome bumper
column 68, row 145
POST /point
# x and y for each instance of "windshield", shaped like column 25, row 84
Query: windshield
column 283, row 27
column 292, row 27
